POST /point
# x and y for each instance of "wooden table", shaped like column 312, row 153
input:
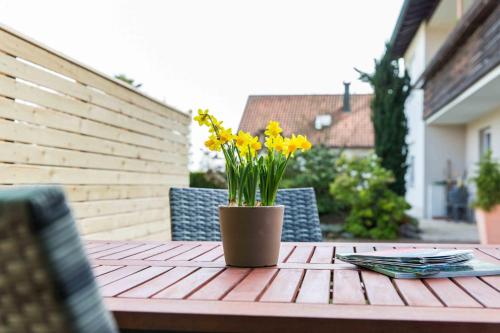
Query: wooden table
column 185, row 286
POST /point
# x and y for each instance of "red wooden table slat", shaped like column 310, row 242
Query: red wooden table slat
column 154, row 251
column 221, row 259
column 193, row 253
column 89, row 246
column 103, row 247
column 341, row 250
column 482, row 292
column 481, row 255
column 144, row 281
column 379, row 289
column 416, row 293
column 284, row 287
column 130, row 281
column 189, row 284
column 106, row 252
column 492, row 252
column 221, row 284
column 493, row 281
column 252, row 285
column 211, row 255
column 118, row 274
column 451, row 294
column 159, row 283
column 322, row 255
column 301, row 254
column 347, row 287
column 104, row 269
column 316, row 287
column 364, row 248
column 285, row 251
column 174, row 252
column 130, row 252
column 384, row 247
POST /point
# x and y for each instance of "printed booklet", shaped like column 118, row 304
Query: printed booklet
column 422, row 263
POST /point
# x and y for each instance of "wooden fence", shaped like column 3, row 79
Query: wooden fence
column 115, row 150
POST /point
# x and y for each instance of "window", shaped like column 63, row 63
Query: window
column 484, row 141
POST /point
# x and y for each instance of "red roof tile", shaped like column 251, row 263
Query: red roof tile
column 297, row 114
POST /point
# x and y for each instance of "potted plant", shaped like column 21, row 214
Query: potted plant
column 487, row 201
column 251, row 228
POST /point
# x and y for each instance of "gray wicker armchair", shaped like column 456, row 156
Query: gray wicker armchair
column 194, row 214
column 46, row 283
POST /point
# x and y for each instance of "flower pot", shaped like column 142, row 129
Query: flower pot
column 251, row 236
column 488, row 224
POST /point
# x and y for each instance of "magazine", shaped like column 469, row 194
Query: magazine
column 422, row 263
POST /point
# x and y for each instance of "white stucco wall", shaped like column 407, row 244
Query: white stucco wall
column 415, row 61
column 444, row 160
column 491, row 120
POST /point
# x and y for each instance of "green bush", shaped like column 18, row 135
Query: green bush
column 208, row 179
column 488, row 183
column 316, row 169
column 363, row 185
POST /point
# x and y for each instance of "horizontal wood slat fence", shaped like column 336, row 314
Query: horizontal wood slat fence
column 115, row 150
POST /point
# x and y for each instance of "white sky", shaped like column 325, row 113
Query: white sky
column 213, row 54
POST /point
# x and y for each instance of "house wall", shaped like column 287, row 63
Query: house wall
column 476, row 55
column 415, row 60
column 444, row 160
column 114, row 150
column 472, row 155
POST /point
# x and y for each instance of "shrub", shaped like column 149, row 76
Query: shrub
column 488, row 183
column 363, row 184
column 208, row 179
column 315, row 169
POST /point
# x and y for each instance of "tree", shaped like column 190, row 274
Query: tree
column 389, row 120
column 126, row 79
column 316, row 169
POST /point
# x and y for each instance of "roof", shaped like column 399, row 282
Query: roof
column 412, row 14
column 297, row 114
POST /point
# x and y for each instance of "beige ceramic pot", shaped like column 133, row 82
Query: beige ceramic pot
column 251, row 236
column 488, row 224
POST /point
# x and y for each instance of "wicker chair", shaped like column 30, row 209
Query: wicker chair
column 46, row 283
column 194, row 214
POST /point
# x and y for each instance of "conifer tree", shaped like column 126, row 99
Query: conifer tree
column 389, row 120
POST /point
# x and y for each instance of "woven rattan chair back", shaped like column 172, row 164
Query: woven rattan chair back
column 46, row 283
column 195, row 216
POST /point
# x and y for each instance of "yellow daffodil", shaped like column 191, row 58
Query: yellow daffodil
column 303, row 143
column 255, row 144
column 291, row 145
column 273, row 129
column 225, row 135
column 216, row 125
column 213, row 143
column 275, row 143
column 242, row 139
column 203, row 118
column 246, row 172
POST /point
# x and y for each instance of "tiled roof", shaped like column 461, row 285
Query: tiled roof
column 297, row 114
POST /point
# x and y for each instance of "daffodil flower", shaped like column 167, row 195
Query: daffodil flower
column 273, row 129
column 225, row 135
column 213, row 143
column 246, row 171
column 203, row 118
column 303, row 143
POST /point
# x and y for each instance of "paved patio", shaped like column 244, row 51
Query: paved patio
column 442, row 231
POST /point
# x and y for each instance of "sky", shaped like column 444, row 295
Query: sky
column 213, row 54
